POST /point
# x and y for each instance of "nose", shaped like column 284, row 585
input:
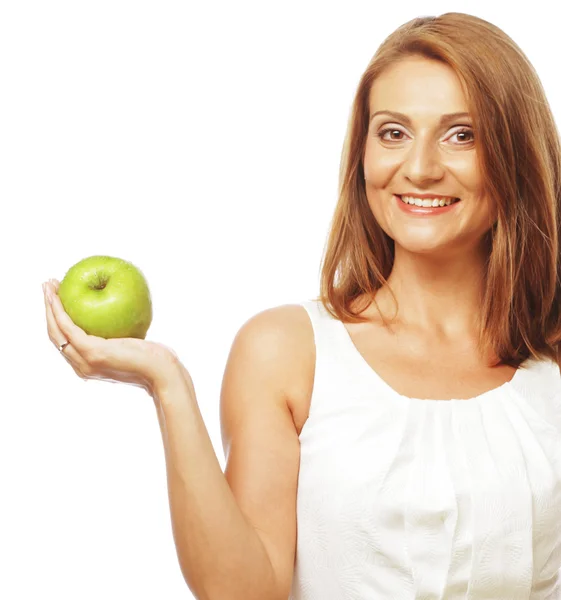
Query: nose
column 423, row 162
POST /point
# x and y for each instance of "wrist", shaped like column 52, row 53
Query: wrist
column 170, row 380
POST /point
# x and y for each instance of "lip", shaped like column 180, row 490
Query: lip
column 412, row 209
column 424, row 196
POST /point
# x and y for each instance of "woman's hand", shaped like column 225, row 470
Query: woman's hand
column 129, row 360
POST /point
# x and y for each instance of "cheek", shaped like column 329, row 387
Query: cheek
column 380, row 176
column 380, row 165
column 489, row 211
column 380, row 202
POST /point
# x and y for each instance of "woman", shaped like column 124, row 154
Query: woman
column 399, row 436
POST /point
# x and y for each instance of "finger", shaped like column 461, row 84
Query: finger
column 79, row 339
column 56, row 336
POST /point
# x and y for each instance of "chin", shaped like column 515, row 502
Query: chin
column 427, row 247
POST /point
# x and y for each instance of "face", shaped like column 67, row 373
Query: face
column 420, row 154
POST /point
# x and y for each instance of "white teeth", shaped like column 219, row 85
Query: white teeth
column 427, row 201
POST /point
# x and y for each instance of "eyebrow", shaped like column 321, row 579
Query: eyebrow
column 444, row 120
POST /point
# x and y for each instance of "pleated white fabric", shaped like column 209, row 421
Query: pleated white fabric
column 402, row 498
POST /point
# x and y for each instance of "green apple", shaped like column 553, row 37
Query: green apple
column 107, row 297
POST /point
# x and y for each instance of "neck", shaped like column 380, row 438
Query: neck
column 437, row 295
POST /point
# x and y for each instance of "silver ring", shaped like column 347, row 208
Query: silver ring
column 63, row 346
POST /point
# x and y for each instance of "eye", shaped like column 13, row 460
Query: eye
column 463, row 132
column 383, row 132
column 392, row 130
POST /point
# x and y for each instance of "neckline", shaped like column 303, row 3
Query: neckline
column 495, row 392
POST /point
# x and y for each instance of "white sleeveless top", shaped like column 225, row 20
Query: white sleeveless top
column 402, row 498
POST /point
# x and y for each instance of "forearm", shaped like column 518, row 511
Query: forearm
column 220, row 553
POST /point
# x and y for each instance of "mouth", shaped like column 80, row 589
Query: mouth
column 426, row 206
column 427, row 202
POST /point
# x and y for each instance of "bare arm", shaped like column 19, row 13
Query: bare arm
column 234, row 534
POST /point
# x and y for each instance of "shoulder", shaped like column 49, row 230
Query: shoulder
column 283, row 338
column 280, row 326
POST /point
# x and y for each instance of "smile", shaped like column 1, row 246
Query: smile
column 426, row 206
column 426, row 202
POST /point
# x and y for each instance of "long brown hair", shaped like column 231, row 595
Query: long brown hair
column 519, row 153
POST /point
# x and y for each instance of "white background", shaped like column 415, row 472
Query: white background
column 200, row 141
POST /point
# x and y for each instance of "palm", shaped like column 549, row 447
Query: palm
column 138, row 362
